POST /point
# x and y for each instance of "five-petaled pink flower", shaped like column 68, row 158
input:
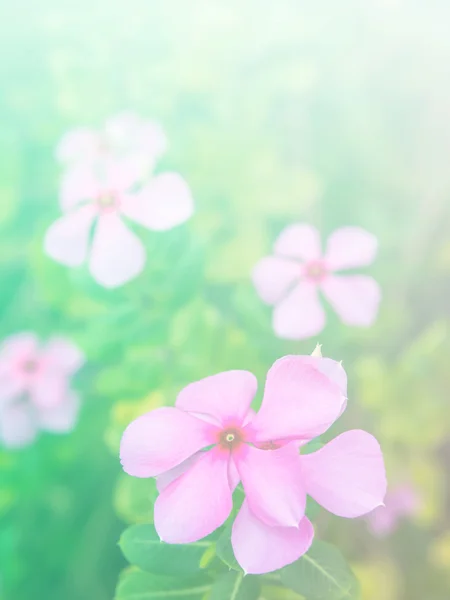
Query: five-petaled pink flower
column 401, row 502
column 97, row 197
column 291, row 279
column 35, row 390
column 124, row 136
column 303, row 396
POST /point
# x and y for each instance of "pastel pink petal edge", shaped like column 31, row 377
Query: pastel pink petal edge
column 347, row 476
column 261, row 549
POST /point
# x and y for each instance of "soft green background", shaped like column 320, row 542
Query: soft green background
column 335, row 113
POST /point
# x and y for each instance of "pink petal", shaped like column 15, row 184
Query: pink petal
column 79, row 184
column 63, row 355
column 350, row 247
column 19, row 346
column 61, row 418
column 67, row 239
column 260, row 549
column 117, row 254
column 335, row 372
column 355, row 298
column 127, row 132
column 300, row 315
column 81, row 144
column 166, row 478
column 17, row 426
column 49, row 389
column 226, row 396
column 346, row 476
column 273, row 277
column 161, row 440
column 273, row 485
column 299, row 241
column 300, row 402
column 15, row 350
column 162, row 204
column 196, row 503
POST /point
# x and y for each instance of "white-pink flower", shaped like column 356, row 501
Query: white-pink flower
column 125, row 136
column 35, row 390
column 97, row 200
column 211, row 440
column 291, row 279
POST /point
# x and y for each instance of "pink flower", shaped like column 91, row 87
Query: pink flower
column 35, row 388
column 124, row 137
column 304, row 395
column 402, row 501
column 97, row 203
column 291, row 279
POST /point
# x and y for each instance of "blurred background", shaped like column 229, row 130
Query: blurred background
column 331, row 113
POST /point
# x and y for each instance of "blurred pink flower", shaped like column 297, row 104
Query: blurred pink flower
column 402, row 501
column 304, row 395
column 124, row 137
column 100, row 199
column 35, row 388
column 291, row 279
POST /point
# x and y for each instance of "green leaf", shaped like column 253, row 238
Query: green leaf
column 142, row 547
column 137, row 585
column 224, row 550
column 234, row 586
column 321, row 574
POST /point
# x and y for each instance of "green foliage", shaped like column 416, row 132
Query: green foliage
column 142, row 547
column 225, row 552
column 137, row 585
column 321, row 574
column 234, row 586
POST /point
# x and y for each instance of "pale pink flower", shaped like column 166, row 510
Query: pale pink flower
column 291, row 279
column 401, row 502
column 124, row 136
column 97, row 204
column 304, row 395
column 35, row 390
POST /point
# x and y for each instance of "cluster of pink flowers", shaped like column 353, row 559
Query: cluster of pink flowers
column 107, row 184
column 293, row 276
column 303, row 397
column 35, row 392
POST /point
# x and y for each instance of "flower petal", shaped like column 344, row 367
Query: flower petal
column 346, row 476
column 67, row 239
column 355, row 298
column 299, row 241
column 350, row 247
column 61, row 418
column 197, row 503
column 15, row 350
column 273, row 277
column 80, row 144
column 166, row 478
column 17, row 425
column 162, row 204
column 79, row 184
column 226, row 396
column 260, row 549
column 117, row 254
column 273, row 484
column 161, row 440
column 128, row 134
column 64, row 355
column 300, row 402
column 300, row 315
column 48, row 389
